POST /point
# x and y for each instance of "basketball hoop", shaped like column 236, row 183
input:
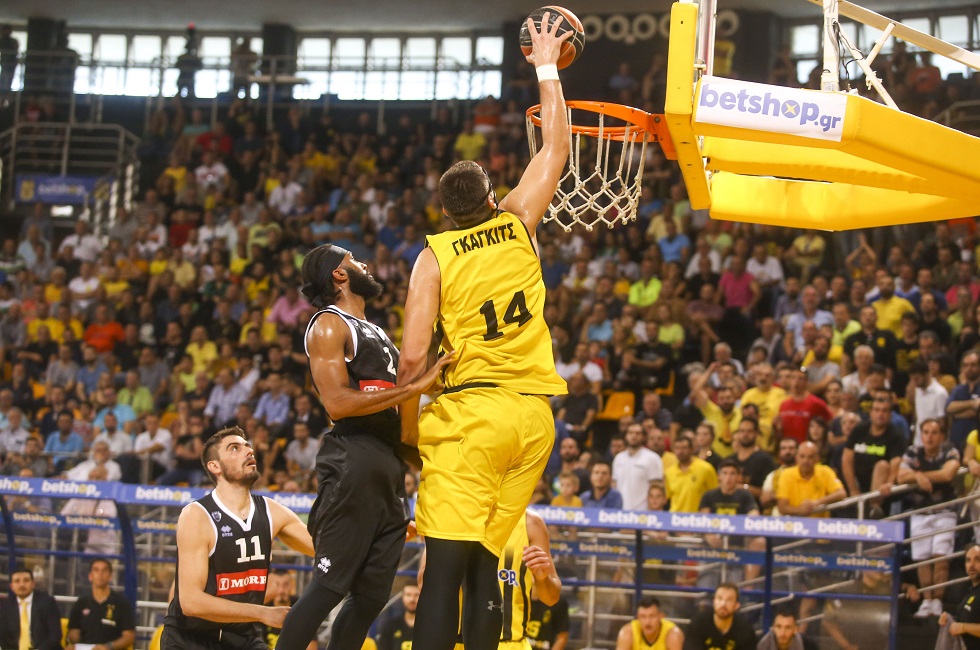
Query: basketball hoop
column 604, row 188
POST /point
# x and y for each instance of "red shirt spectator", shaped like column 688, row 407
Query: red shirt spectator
column 103, row 334
column 799, row 408
column 738, row 287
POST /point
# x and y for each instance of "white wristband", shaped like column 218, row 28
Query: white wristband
column 547, row 72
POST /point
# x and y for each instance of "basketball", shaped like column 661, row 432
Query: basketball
column 570, row 49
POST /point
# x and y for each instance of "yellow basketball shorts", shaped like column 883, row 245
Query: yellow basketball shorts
column 483, row 451
column 523, row 644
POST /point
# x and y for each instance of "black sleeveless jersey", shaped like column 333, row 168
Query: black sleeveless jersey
column 237, row 568
column 373, row 366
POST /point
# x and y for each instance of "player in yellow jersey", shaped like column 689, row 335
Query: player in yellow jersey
column 486, row 440
column 650, row 630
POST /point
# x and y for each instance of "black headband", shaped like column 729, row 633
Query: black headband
column 331, row 258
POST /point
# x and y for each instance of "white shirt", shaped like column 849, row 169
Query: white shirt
column 85, row 248
column 283, row 198
column 632, row 473
column 693, row 265
column 765, row 272
column 930, row 402
column 304, row 457
column 82, row 286
column 81, row 471
column 162, row 437
column 13, row 441
column 215, row 174
column 119, row 442
column 852, row 384
column 590, row 370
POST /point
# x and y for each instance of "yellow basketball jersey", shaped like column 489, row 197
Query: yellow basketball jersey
column 660, row 643
column 492, row 308
column 515, row 584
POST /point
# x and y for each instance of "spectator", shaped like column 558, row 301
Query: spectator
column 397, row 631
column 119, row 441
column 690, row 478
column 723, row 625
column 755, row 463
column 963, row 404
column 768, row 398
column 650, row 629
column 135, row 396
column 808, row 487
column 123, row 412
column 926, row 396
column 784, row 634
column 872, row 455
column 932, row 468
column 645, row 291
column 103, row 618
column 30, row 619
column 787, row 458
column 799, row 407
column 186, row 458
column 579, row 409
column 720, row 412
column 602, row 494
column 301, row 451
column 730, row 499
column 635, row 469
column 83, row 245
column 652, row 408
column 881, row 342
column 225, row 398
column 63, row 445
column 14, row 436
column 155, row 444
column 810, row 312
column 568, row 488
column 966, row 623
column 820, row 371
column 569, row 453
column 31, row 459
column 98, row 458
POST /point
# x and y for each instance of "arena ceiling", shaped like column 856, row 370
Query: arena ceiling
column 374, row 15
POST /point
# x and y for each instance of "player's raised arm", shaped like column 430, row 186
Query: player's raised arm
column 194, row 543
column 421, row 310
column 530, row 199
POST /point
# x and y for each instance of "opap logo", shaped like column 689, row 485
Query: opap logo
column 760, row 107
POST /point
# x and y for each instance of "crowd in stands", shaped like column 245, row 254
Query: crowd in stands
column 713, row 367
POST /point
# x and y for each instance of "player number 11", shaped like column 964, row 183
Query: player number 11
column 516, row 312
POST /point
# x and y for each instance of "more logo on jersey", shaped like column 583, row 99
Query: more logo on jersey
column 216, row 515
column 508, row 577
column 369, row 385
column 226, row 531
column 324, row 564
column 232, row 584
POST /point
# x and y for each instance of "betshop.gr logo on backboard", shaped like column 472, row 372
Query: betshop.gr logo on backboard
column 760, row 107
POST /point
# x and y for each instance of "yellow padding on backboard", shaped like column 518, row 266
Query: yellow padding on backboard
column 794, row 161
column 679, row 104
column 825, row 206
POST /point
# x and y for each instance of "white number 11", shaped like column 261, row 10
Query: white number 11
column 243, row 550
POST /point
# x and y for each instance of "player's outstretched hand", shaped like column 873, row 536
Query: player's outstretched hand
column 546, row 45
column 539, row 562
column 274, row 616
column 431, row 379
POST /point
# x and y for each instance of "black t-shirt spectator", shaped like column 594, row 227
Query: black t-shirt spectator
column 940, row 328
column 882, row 342
column 756, row 467
column 648, row 378
column 186, row 463
column 869, row 449
column 577, row 407
column 394, row 632
column 546, row 623
column 703, row 635
column 739, row 502
column 695, row 283
column 905, row 354
column 969, row 612
column 101, row 623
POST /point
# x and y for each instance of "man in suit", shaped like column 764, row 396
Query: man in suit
column 35, row 608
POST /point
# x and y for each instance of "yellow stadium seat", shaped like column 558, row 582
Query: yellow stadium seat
column 64, row 631
column 617, row 404
column 155, row 639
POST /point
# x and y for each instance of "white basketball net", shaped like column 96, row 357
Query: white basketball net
column 604, row 188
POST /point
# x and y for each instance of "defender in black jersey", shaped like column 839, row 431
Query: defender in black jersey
column 359, row 519
column 224, row 546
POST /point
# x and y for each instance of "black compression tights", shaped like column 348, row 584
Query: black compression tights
column 306, row 615
column 450, row 565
